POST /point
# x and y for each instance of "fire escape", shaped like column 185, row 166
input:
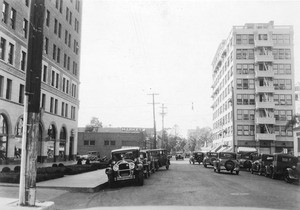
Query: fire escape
column 264, row 89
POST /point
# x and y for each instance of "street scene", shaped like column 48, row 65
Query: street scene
column 149, row 104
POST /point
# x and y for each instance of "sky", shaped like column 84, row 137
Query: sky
column 131, row 49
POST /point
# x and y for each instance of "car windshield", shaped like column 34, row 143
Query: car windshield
column 212, row 154
column 268, row 158
column 227, row 155
column 287, row 159
column 116, row 156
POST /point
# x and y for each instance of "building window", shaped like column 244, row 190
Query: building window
column 112, row 143
column 60, row 6
column 4, row 12
column 69, row 41
column 59, row 30
column 55, row 26
column 106, row 143
column 21, row 94
column 43, row 100
column 67, row 14
column 47, row 18
column 11, row 53
column 44, row 74
column 65, row 60
column 13, row 18
column 68, row 63
column 25, row 28
column 51, row 104
column 54, row 52
column 92, row 143
column 46, row 45
column 23, row 60
column 85, row 142
column 66, row 37
column 52, row 78
column 1, row 85
column 66, row 110
column 58, row 55
column 70, row 20
column 57, row 80
column 62, row 108
column 55, row 106
column 2, row 48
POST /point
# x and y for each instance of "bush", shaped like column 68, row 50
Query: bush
column 79, row 161
column 54, row 165
column 10, row 177
column 5, row 169
column 17, row 169
column 61, row 165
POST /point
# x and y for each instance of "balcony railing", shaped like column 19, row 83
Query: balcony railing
column 265, row 136
column 263, row 43
column 264, row 120
column 267, row 73
column 264, row 89
column 264, row 58
column 265, row 105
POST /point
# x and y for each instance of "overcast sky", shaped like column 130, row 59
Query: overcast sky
column 131, row 49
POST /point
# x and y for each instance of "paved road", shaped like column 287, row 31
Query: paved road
column 184, row 185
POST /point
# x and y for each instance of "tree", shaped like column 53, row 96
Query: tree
column 94, row 125
column 200, row 138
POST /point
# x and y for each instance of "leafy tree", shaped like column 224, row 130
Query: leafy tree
column 94, row 125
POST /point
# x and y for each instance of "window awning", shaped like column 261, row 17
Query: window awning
column 247, row 149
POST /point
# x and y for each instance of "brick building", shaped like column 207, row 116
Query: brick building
column 107, row 139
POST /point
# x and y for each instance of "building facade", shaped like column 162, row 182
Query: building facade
column 107, row 139
column 253, row 88
column 297, row 126
column 59, row 79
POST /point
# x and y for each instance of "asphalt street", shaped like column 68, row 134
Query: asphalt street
column 182, row 185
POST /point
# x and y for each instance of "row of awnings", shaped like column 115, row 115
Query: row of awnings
column 226, row 148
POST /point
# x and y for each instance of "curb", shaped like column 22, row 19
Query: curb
column 12, row 204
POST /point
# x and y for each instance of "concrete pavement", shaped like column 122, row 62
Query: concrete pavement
column 86, row 182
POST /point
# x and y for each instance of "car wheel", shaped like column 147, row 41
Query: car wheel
column 205, row 166
column 111, row 182
column 237, row 172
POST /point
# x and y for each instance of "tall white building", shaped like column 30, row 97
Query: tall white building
column 253, row 88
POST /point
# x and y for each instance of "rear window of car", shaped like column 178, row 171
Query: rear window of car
column 227, row 155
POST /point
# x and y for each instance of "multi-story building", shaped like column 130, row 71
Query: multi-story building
column 253, row 88
column 59, row 78
column 297, row 124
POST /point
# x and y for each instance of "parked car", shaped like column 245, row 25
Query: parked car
column 227, row 161
column 259, row 165
column 209, row 158
column 187, row 155
column 179, row 156
column 160, row 158
column 148, row 163
column 125, row 165
column 199, row 156
column 281, row 166
column 245, row 160
column 91, row 155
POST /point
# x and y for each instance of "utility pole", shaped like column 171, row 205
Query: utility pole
column 27, row 189
column 163, row 113
column 154, row 122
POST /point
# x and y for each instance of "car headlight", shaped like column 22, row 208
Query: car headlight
column 114, row 162
column 131, row 165
column 116, row 167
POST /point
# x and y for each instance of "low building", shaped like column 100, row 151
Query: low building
column 107, row 139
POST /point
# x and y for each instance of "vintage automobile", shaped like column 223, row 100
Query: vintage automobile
column 179, row 156
column 160, row 158
column 209, row 158
column 125, row 164
column 91, row 155
column 260, row 164
column 245, row 159
column 282, row 166
column 148, row 162
column 226, row 161
column 196, row 157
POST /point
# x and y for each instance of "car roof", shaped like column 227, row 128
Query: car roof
column 156, row 149
column 125, row 149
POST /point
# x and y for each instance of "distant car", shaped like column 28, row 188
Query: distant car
column 227, row 161
column 148, row 162
column 209, row 158
column 125, row 165
column 199, row 156
column 91, row 155
column 179, row 156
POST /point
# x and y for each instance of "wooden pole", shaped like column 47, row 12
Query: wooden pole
column 27, row 191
